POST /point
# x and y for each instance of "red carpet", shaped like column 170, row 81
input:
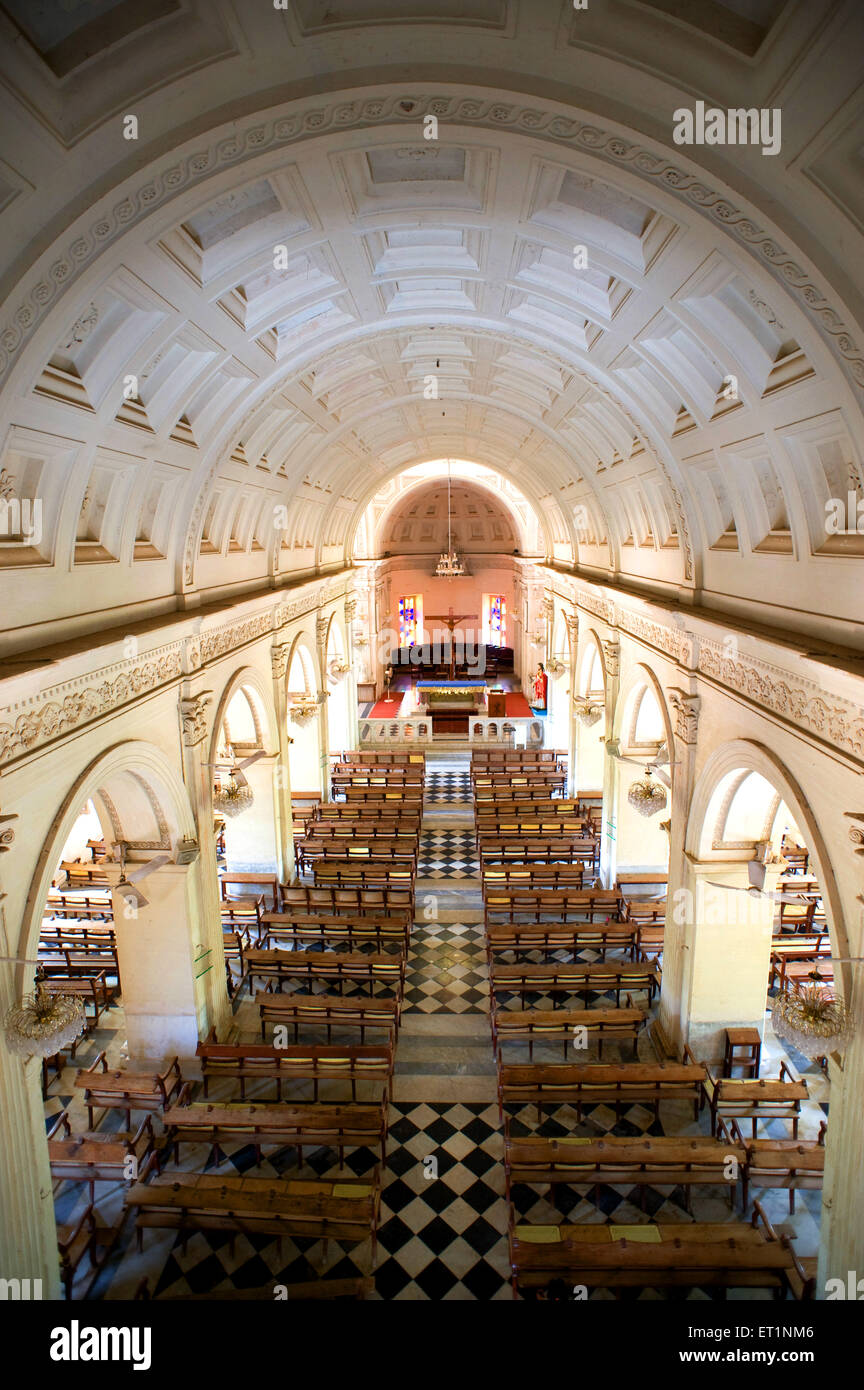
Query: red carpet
column 386, row 709
column 517, row 706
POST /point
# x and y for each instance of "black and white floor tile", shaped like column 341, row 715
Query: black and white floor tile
column 447, row 970
column 448, row 854
column 448, row 787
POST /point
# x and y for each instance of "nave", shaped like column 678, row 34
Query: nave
column 461, row 1192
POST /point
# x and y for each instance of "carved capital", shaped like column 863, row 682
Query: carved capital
column 7, row 834
column 571, row 622
column 612, row 655
column 192, row 712
column 350, row 609
column 548, row 607
column 856, row 832
column 279, row 654
column 686, row 709
column 322, row 626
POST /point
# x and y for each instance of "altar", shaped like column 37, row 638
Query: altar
column 451, row 703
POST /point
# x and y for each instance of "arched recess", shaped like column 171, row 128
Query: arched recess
column 245, row 722
column 339, row 685
column 711, row 801
column 558, row 716
column 590, row 680
column 126, row 768
column 303, row 680
column 641, row 726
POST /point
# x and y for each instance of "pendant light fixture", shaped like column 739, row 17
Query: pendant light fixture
column 449, row 566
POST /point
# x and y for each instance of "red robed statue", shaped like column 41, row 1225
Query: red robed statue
column 541, row 683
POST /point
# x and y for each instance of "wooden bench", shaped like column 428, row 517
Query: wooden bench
column 400, row 852
column 325, row 1062
column 576, row 978
column 331, row 930
column 267, row 885
column 80, row 907
column 787, row 951
column 566, row 904
column 518, row 938
column 365, row 873
column 365, row 757
column 600, row 1083
column 328, row 1011
column 360, row 812
column 96, row 1156
column 532, row 876
column 284, row 1125
column 528, row 828
column 668, row 1255
column 756, row 1098
column 794, row 1164
column 541, row 1025
column 350, row 900
column 346, row 1210
column 537, row 849
column 485, row 757
column 78, row 875
column 92, row 989
column 634, row 878
column 126, row 1090
column 339, row 968
column 641, row 1161
column 648, row 911
column 393, row 828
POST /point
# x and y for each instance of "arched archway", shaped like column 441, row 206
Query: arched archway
column 245, row 727
column 302, row 683
column 643, row 731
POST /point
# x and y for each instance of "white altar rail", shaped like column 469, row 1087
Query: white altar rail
column 515, row 732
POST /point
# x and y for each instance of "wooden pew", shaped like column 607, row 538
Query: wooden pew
column 387, row 779
column 531, row 876
column 756, row 1098
column 386, row 971
column 788, row 950
column 308, row 1011
column 641, row 1161
column 348, row 900
column 330, row 930
column 79, row 876
column 521, row 937
column 546, row 781
column 536, row 849
column 368, row 813
column 346, row 1211
column 362, row 829
column 636, row 879
column 126, row 1090
column 96, row 1156
column 267, row 884
column 794, row 1164
column 542, row 1025
column 393, row 873
column 329, row 1062
column 645, row 910
column 401, row 852
column 92, row 989
column 285, row 1125
column 561, row 905
column 486, row 757
column 663, row 1255
column 408, row 798
column 600, row 1083
column 80, row 907
column 369, row 757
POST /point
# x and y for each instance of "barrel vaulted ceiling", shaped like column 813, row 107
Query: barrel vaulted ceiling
column 221, row 339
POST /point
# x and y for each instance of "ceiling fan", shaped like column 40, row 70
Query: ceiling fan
column 654, row 766
column 236, row 769
column 125, row 885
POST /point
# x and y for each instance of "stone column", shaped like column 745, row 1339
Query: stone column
column 609, row 826
column 322, row 625
column 199, row 783
column 685, row 704
column 285, row 857
column 28, row 1232
column 571, row 621
column 351, row 678
column 727, row 940
column 165, row 958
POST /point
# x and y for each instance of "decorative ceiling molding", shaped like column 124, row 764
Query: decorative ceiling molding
column 253, row 137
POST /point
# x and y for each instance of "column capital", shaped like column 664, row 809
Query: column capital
column 322, row 626
column 686, row 709
column 279, row 654
column 193, row 714
column 611, row 655
column 350, row 609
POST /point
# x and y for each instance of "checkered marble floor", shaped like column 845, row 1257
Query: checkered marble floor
column 447, row 970
column 443, row 1226
column 447, row 787
column 448, row 854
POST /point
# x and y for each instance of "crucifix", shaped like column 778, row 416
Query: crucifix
column 451, row 619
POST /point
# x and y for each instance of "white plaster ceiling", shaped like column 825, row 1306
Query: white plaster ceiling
column 597, row 389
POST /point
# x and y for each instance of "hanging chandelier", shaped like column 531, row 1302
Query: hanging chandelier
column 586, row 713
column 812, row 1020
column 449, row 565
column 233, row 799
column 40, row 1024
column 303, row 711
column 647, row 797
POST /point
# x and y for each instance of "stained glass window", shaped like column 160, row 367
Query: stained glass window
column 408, row 620
column 496, row 621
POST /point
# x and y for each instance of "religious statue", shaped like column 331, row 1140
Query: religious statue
column 541, row 684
